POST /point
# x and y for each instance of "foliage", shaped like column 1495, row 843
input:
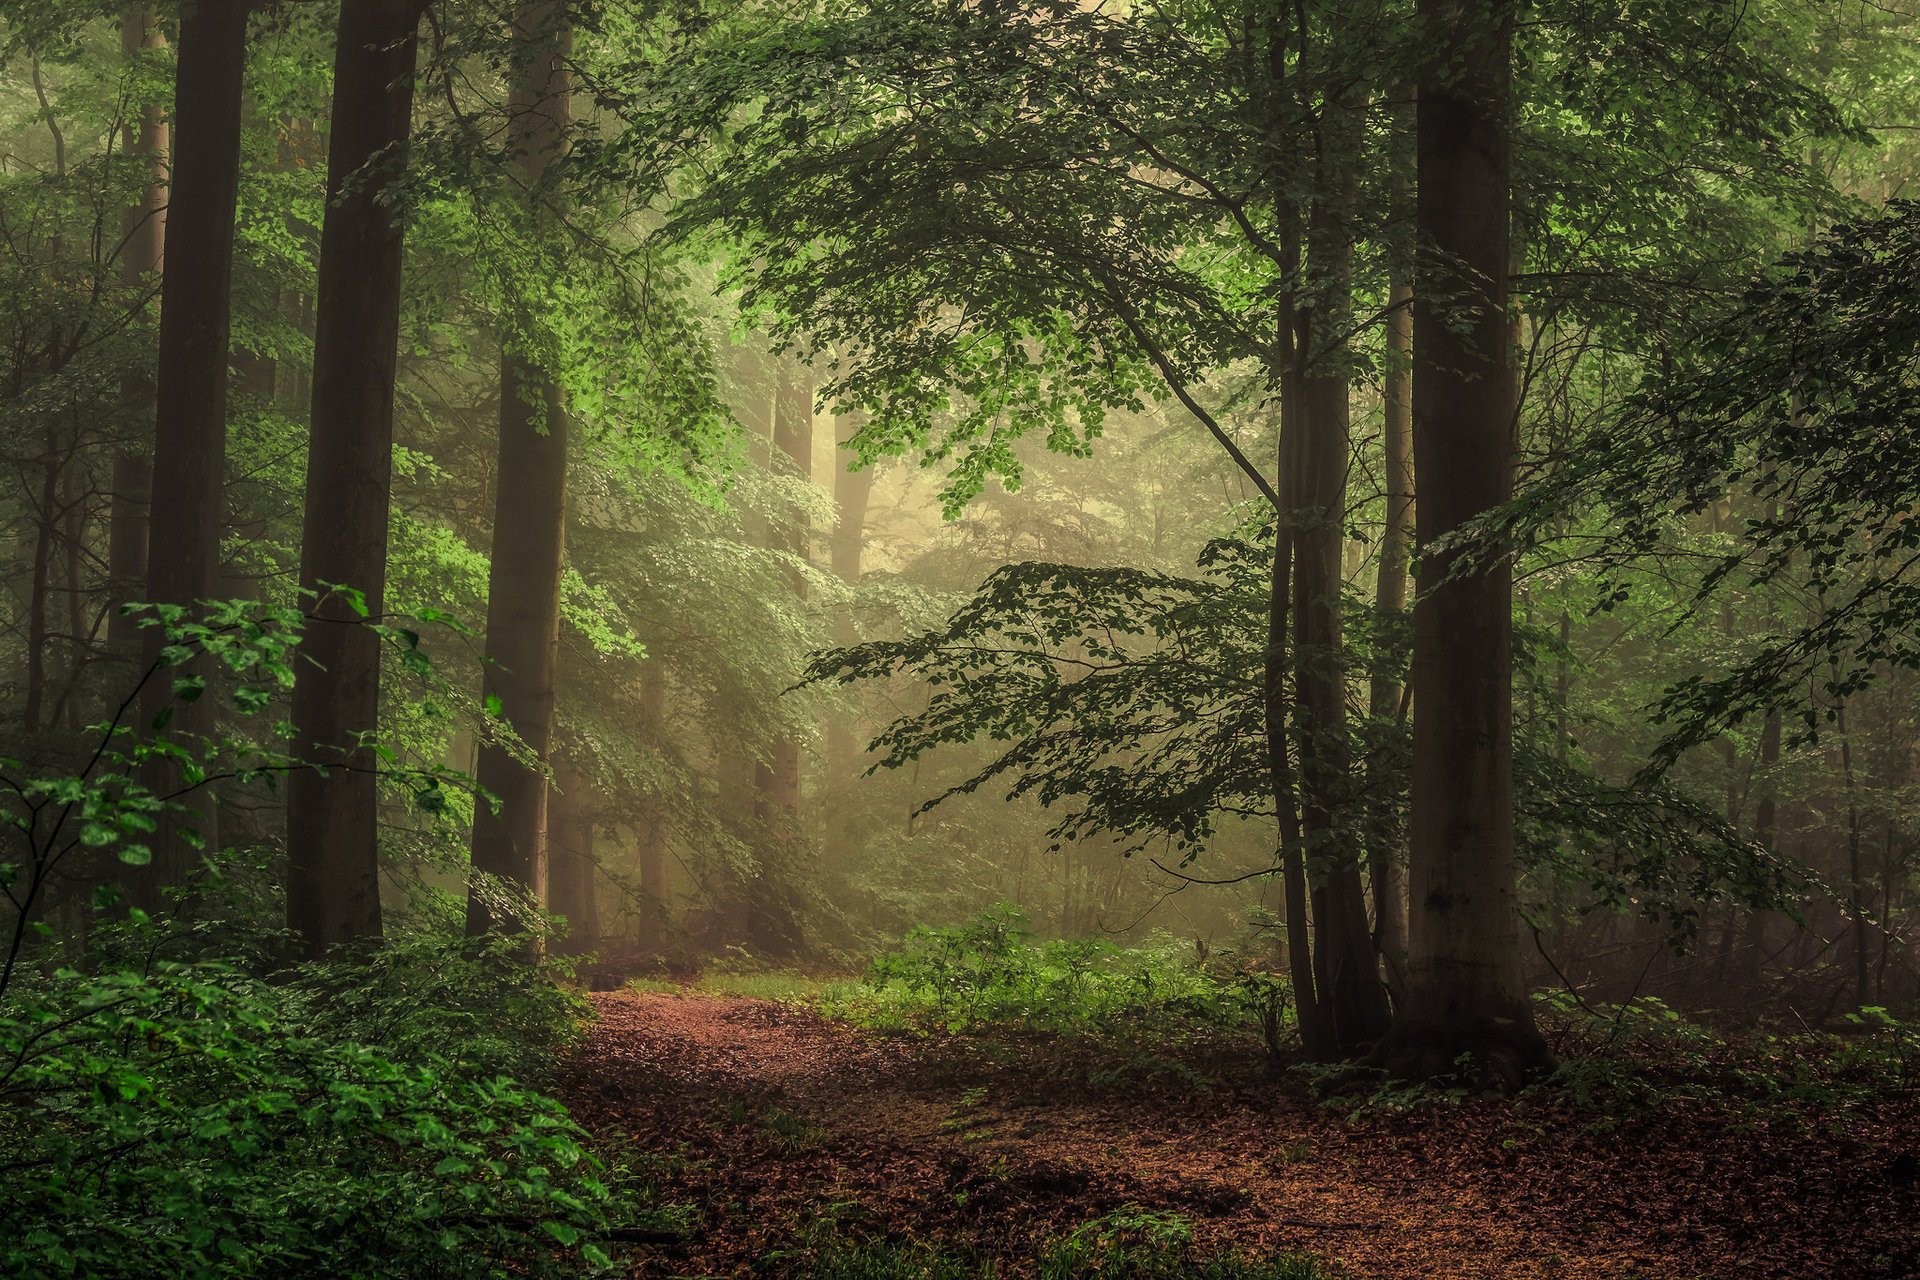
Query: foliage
column 1801, row 405
column 988, row 972
column 192, row 1119
column 1128, row 701
column 1622, row 1060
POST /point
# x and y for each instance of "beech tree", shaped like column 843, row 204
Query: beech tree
column 529, row 525
column 1465, row 990
column 187, row 511
column 333, row 878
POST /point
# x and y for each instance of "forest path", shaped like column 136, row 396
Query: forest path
column 783, row 1117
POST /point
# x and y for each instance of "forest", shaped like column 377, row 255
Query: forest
column 934, row 639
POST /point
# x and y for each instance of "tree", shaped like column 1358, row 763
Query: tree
column 190, row 393
column 529, row 526
column 143, row 232
column 1466, row 992
column 333, row 880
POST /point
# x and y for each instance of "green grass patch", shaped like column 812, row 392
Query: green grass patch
column 991, row 973
column 1128, row 1244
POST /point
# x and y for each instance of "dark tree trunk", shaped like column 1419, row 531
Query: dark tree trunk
column 529, row 533
column 570, row 818
column 190, row 394
column 1384, row 691
column 333, row 882
column 143, row 231
column 1353, row 1003
column 1466, row 992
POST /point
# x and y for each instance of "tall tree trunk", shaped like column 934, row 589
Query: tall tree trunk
column 529, row 530
column 1466, row 991
column 852, row 492
column 46, row 533
column 1346, row 970
column 1753, row 942
column 779, row 778
column 143, row 230
column 1390, row 602
column 333, row 881
column 190, row 394
column 570, row 817
column 653, row 839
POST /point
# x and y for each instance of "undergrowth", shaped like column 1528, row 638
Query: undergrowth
column 373, row 1118
column 990, row 973
column 1128, row 1244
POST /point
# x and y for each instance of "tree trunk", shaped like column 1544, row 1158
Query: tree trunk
column 333, row 877
column 1346, row 971
column 779, row 778
column 1753, row 941
column 142, row 234
column 852, row 491
column 1466, row 992
column 190, row 394
column 1390, row 602
column 653, row 841
column 570, row 816
column 529, row 531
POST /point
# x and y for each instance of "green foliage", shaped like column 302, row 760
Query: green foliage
column 1645, row 1054
column 1128, row 701
column 988, row 973
column 1130, row 1243
column 194, row 1120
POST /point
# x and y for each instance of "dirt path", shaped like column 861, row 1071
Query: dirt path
column 781, row 1117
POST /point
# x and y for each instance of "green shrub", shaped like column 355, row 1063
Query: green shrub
column 196, row 1121
column 990, row 972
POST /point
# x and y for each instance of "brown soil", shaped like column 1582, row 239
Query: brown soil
column 780, row 1117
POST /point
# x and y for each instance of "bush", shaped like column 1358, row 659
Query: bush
column 988, row 972
column 193, row 1120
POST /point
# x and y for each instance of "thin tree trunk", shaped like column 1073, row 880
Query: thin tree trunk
column 1856, row 876
column 529, row 531
column 46, row 532
column 571, row 815
column 779, row 778
column 1347, row 973
column 190, row 394
column 653, row 841
column 333, row 877
column 852, row 491
column 1390, row 602
column 1466, row 991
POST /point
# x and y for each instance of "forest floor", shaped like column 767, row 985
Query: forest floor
column 776, row 1123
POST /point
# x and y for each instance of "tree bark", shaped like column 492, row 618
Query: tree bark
column 653, row 841
column 1466, row 992
column 852, row 492
column 190, row 393
column 142, row 235
column 1390, row 603
column 778, row 780
column 571, row 819
column 1347, row 973
column 332, row 838
column 529, row 530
